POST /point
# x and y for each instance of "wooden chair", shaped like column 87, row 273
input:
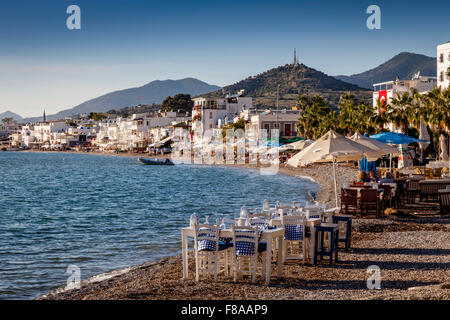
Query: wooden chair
column 349, row 201
column 437, row 173
column 387, row 195
column 369, row 201
column 209, row 252
column 247, row 250
column 428, row 173
column 412, row 190
column 294, row 237
column 444, row 201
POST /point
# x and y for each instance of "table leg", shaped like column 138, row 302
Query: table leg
column 268, row 259
column 312, row 244
column 185, row 254
column 280, row 257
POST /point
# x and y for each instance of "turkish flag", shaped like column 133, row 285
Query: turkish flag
column 382, row 96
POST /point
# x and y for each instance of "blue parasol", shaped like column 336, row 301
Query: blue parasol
column 367, row 166
column 395, row 138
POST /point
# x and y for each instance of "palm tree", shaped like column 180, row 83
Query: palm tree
column 438, row 112
column 397, row 110
column 312, row 110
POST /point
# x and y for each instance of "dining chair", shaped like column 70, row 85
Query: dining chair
column 349, row 201
column 387, row 195
column 246, row 251
column 369, row 201
column 294, row 238
column 210, row 253
column 412, row 190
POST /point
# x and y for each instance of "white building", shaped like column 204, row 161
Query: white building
column 8, row 128
column 213, row 113
column 43, row 131
column 388, row 90
column 136, row 131
column 443, row 65
column 284, row 120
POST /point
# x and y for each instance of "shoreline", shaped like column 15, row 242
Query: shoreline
column 162, row 278
column 310, row 174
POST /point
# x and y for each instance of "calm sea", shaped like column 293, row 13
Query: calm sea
column 103, row 212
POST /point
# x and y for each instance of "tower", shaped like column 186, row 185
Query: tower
column 43, row 117
column 295, row 63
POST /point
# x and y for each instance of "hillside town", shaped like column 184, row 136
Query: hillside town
column 154, row 131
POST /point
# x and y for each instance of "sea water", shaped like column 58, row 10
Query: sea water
column 100, row 213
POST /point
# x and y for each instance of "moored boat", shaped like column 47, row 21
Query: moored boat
column 156, row 162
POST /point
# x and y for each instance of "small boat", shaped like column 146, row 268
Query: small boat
column 156, row 162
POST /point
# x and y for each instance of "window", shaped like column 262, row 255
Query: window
column 441, row 58
column 210, row 114
column 441, row 76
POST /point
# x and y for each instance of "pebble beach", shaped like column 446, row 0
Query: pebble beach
column 411, row 248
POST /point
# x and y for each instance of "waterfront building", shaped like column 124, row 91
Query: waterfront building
column 385, row 91
column 443, row 65
column 214, row 113
column 283, row 120
column 8, row 128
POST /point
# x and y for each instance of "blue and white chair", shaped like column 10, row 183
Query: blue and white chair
column 247, row 250
column 210, row 253
column 294, row 237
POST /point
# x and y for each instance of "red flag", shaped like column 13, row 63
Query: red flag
column 382, row 96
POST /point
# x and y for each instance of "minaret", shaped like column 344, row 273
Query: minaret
column 43, row 117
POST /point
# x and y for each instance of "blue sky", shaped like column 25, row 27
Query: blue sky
column 125, row 44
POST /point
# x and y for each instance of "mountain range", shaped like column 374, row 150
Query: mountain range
column 10, row 114
column 404, row 65
column 152, row 93
column 292, row 80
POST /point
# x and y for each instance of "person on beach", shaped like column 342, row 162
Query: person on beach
column 373, row 177
column 387, row 178
column 362, row 177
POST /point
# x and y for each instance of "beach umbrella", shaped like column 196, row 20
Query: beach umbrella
column 273, row 144
column 367, row 166
column 332, row 147
column 382, row 147
column 395, row 138
column 374, row 144
column 300, row 145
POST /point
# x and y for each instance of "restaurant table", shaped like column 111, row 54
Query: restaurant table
column 267, row 235
column 310, row 242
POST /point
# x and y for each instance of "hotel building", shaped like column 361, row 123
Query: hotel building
column 443, row 65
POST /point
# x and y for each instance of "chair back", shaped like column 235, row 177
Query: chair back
column 245, row 240
column 294, row 227
column 412, row 185
column 387, row 190
column 369, row 195
column 428, row 173
column 313, row 212
column 206, row 237
column 349, row 196
column 259, row 220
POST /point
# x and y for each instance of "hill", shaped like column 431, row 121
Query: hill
column 10, row 114
column 293, row 80
column 404, row 65
column 152, row 93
